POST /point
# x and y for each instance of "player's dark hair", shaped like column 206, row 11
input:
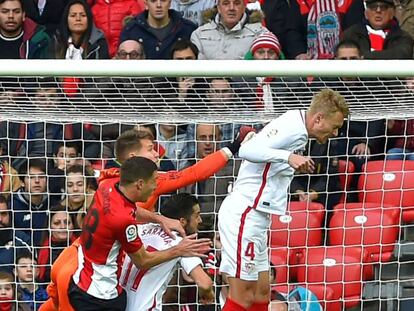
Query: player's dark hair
column 36, row 163
column 129, row 140
column 136, row 168
column 179, row 206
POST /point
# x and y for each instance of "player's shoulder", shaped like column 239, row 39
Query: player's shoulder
column 288, row 120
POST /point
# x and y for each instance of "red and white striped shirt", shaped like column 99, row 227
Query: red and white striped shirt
column 109, row 229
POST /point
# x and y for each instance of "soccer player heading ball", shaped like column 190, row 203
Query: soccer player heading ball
column 270, row 159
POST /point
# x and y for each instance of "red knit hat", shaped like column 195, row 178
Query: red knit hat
column 266, row 40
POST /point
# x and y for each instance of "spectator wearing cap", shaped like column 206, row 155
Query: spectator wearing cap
column 230, row 32
column 266, row 47
column 379, row 35
column 158, row 28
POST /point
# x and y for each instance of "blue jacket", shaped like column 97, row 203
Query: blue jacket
column 11, row 244
column 138, row 29
column 29, row 218
column 40, row 296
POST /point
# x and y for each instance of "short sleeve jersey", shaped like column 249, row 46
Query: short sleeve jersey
column 109, row 229
column 146, row 287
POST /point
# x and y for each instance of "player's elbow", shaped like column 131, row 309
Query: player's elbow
column 204, row 283
column 142, row 259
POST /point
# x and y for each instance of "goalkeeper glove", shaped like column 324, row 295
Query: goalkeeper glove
column 242, row 134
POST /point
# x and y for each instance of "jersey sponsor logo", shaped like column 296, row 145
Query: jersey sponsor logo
column 131, row 233
column 27, row 217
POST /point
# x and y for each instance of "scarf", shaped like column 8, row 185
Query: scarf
column 377, row 38
column 324, row 26
column 71, row 84
column 264, row 94
column 44, row 259
column 5, row 304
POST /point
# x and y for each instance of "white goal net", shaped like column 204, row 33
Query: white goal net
column 346, row 236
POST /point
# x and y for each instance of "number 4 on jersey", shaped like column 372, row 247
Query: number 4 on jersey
column 250, row 251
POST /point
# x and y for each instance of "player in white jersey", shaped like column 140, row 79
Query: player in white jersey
column 145, row 287
column 270, row 160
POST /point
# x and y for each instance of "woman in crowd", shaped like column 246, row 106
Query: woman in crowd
column 60, row 236
column 77, row 36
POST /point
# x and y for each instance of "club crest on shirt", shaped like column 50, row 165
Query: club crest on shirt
column 272, row 132
column 131, row 233
column 250, row 267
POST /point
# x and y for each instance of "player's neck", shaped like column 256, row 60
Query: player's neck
column 129, row 193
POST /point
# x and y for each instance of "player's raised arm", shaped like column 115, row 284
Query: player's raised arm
column 189, row 246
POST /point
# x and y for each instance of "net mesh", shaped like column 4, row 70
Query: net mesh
column 310, row 246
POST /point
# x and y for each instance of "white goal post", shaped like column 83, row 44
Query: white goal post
column 103, row 98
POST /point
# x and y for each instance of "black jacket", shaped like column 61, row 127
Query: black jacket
column 398, row 43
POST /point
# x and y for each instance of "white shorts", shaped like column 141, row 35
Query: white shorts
column 243, row 234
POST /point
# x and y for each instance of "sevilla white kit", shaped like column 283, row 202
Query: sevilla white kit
column 260, row 190
column 145, row 287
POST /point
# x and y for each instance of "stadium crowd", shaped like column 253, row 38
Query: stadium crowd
column 49, row 170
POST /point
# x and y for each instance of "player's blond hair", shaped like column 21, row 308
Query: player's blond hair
column 329, row 102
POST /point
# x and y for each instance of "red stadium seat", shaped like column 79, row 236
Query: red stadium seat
column 374, row 230
column 280, row 258
column 296, row 229
column 294, row 206
column 362, row 205
column 340, row 268
column 345, row 170
column 389, row 182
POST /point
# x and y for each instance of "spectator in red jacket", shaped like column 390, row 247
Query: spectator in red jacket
column 109, row 16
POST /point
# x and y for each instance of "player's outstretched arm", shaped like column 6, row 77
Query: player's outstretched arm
column 204, row 284
column 189, row 246
column 204, row 168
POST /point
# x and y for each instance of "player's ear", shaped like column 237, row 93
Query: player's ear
column 318, row 117
column 140, row 184
column 183, row 221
